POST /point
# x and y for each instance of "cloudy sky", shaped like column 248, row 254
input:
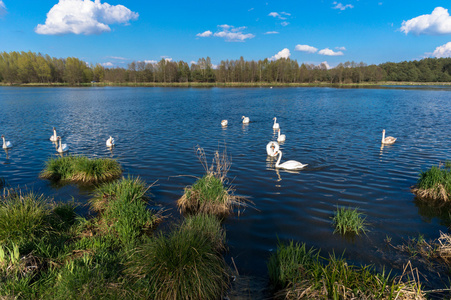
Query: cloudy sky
column 116, row 32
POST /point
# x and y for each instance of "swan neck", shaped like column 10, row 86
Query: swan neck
column 278, row 160
column 383, row 135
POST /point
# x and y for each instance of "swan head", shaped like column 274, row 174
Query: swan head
column 242, row 117
column 54, row 128
column 3, row 136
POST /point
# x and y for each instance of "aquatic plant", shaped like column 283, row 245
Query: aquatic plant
column 348, row 220
column 81, row 169
column 298, row 273
column 122, row 207
column 209, row 226
column 183, row 264
column 209, row 194
column 435, row 183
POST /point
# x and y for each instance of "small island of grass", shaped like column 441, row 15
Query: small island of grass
column 81, row 169
column 435, row 184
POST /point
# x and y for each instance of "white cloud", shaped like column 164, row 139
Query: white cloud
column 442, row 51
column 325, row 64
column 167, row 58
column 192, row 62
column 205, row 34
column 271, row 32
column 438, row 22
column 285, row 53
column 341, row 6
column 84, row 17
column 150, row 61
column 285, row 13
column 108, row 64
column 305, row 48
column 279, row 15
column 2, row 8
column 340, row 48
column 232, row 34
column 117, row 57
column 274, row 14
column 284, row 24
column 329, row 52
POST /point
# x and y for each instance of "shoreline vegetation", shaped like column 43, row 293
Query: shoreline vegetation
column 231, row 84
column 36, row 69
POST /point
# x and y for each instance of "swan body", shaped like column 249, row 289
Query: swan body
column 6, row 144
column 245, row 120
column 224, row 122
column 110, row 142
column 54, row 137
column 289, row 165
column 281, row 137
column 272, row 148
column 387, row 140
column 62, row 148
column 276, row 125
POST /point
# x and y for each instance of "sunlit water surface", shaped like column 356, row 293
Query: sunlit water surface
column 337, row 132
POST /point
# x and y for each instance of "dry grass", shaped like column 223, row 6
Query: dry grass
column 211, row 194
column 435, row 184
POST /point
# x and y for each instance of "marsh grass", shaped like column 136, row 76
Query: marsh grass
column 81, row 169
column 23, row 216
column 211, row 194
column 183, row 264
column 300, row 273
column 209, row 226
column 122, row 208
column 435, row 183
column 349, row 221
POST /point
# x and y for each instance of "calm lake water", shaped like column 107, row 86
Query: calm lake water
column 337, row 132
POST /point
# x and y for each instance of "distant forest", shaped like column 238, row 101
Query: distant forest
column 29, row 67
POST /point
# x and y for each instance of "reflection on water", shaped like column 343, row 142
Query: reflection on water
column 158, row 129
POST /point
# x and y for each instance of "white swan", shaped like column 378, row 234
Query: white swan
column 245, row 120
column 281, row 137
column 387, row 140
column 289, row 165
column 62, row 148
column 6, row 144
column 110, row 142
column 224, row 122
column 276, row 125
column 272, row 148
column 54, row 137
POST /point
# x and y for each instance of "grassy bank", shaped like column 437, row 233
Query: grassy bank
column 80, row 169
column 235, row 84
column 297, row 272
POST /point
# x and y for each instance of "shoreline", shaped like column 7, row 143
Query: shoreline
column 379, row 84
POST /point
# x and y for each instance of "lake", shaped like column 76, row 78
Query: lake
column 337, row 132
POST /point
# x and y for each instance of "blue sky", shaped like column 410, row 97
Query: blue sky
column 116, row 32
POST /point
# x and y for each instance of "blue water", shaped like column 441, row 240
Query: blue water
column 336, row 132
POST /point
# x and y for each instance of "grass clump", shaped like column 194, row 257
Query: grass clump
column 183, row 264
column 348, row 220
column 209, row 226
column 23, row 217
column 81, row 169
column 209, row 194
column 298, row 273
column 435, row 183
column 122, row 208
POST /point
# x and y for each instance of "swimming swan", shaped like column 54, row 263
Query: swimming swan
column 245, row 120
column 62, row 148
column 281, row 137
column 54, row 137
column 387, row 140
column 110, row 142
column 272, row 148
column 288, row 165
column 276, row 125
column 6, row 144
column 224, row 122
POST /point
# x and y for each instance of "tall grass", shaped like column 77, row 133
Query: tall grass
column 183, row 264
column 435, row 183
column 298, row 273
column 122, row 208
column 81, row 169
column 209, row 226
column 348, row 220
column 209, row 194
column 23, row 217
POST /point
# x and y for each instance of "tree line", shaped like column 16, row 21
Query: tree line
column 30, row 67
